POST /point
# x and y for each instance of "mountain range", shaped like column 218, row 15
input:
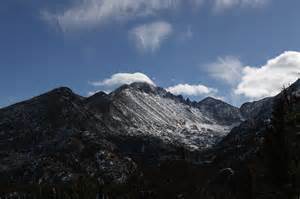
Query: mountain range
column 141, row 141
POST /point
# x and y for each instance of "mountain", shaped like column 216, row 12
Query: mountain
column 53, row 139
column 59, row 136
column 141, row 109
column 141, row 141
column 261, row 108
column 259, row 158
column 224, row 113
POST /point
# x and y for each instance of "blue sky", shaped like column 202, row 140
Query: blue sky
column 236, row 50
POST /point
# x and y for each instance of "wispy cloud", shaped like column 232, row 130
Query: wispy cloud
column 221, row 5
column 191, row 90
column 83, row 14
column 228, row 69
column 148, row 37
column 91, row 13
column 268, row 80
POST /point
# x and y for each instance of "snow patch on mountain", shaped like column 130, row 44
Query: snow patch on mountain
column 154, row 114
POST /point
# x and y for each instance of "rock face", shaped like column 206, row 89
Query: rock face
column 141, row 109
column 53, row 138
column 224, row 113
column 261, row 108
column 141, row 141
column 262, row 153
column 59, row 136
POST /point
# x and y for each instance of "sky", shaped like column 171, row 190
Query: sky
column 234, row 50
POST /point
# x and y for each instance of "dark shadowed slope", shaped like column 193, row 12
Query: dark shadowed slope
column 53, row 139
column 259, row 159
column 223, row 112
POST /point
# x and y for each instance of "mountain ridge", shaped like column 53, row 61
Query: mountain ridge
column 154, row 110
column 140, row 135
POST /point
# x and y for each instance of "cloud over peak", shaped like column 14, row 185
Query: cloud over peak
column 119, row 79
column 148, row 37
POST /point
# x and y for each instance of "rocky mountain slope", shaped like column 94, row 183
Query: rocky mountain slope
column 261, row 108
column 142, row 142
column 224, row 113
column 259, row 158
column 52, row 139
column 60, row 136
column 141, row 109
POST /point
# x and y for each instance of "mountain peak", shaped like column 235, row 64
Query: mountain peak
column 223, row 112
column 98, row 94
column 210, row 100
column 143, row 87
column 58, row 93
column 99, row 101
column 62, row 90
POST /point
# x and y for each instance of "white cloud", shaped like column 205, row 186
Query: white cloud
column 220, row 5
column 148, row 37
column 191, row 90
column 119, row 79
column 228, row 69
column 93, row 13
column 268, row 80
